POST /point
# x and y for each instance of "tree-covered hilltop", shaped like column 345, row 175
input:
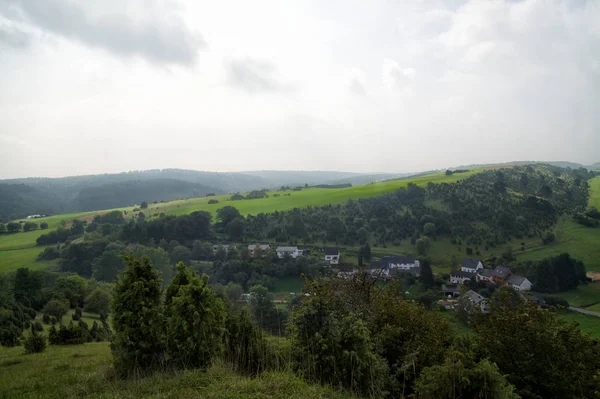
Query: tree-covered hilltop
column 485, row 210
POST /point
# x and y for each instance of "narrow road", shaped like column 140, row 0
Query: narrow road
column 587, row 312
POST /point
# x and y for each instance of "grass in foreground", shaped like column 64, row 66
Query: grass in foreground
column 85, row 370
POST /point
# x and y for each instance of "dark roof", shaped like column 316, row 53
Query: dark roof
column 450, row 288
column 346, row 267
column 375, row 264
column 515, row 280
column 501, row 272
column 460, row 273
column 470, row 263
column 474, row 296
column 331, row 251
column 486, row 272
column 400, row 259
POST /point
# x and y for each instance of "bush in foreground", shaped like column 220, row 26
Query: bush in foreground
column 137, row 318
column 195, row 320
column 35, row 343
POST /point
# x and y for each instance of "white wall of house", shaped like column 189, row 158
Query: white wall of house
column 332, row 259
column 525, row 286
column 294, row 254
column 478, row 267
column 458, row 279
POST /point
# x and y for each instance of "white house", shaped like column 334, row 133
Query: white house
column 294, row 252
column 225, row 247
column 399, row 262
column 263, row 248
column 459, row 276
column 477, row 300
column 471, row 265
column 485, row 275
column 332, row 255
column 519, row 283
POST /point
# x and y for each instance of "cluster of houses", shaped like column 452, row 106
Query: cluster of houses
column 501, row 276
column 472, row 268
column 384, row 267
column 331, row 255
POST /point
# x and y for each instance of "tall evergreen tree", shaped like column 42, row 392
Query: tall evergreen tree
column 195, row 320
column 137, row 317
column 426, row 273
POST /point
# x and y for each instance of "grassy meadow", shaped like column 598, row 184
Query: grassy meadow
column 85, row 371
column 587, row 324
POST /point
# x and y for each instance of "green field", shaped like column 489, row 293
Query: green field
column 85, row 371
column 584, row 296
column 11, row 260
column 587, row 324
column 289, row 284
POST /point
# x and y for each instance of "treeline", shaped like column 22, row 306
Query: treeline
column 356, row 334
column 17, row 227
column 26, row 293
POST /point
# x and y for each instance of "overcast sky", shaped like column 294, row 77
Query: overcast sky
column 365, row 86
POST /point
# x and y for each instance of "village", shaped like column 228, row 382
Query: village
column 471, row 273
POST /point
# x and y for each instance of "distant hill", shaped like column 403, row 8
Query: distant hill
column 560, row 164
column 22, row 197
column 128, row 193
column 277, row 178
column 18, row 200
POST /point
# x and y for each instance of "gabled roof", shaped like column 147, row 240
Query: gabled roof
column 331, row 251
column 261, row 246
column 501, row 272
column 346, row 267
column 450, row 288
column 460, row 273
column 287, row 249
column 398, row 259
column 375, row 264
column 486, row 272
column 470, row 263
column 474, row 296
column 515, row 280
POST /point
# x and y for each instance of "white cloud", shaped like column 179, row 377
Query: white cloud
column 396, row 78
column 478, row 81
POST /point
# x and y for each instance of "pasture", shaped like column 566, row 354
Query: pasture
column 77, row 371
column 587, row 324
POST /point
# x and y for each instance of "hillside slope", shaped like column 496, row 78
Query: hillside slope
column 85, row 371
column 133, row 192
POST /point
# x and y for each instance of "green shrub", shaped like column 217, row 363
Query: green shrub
column 195, row 320
column 137, row 318
column 37, row 326
column 46, row 318
column 35, row 343
column 335, row 348
column 9, row 335
column 245, row 345
column 71, row 335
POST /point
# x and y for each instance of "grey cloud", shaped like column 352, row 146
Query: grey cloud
column 161, row 41
column 14, row 37
column 357, row 87
column 254, row 76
